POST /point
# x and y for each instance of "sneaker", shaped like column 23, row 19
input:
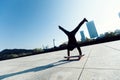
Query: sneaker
column 85, row 20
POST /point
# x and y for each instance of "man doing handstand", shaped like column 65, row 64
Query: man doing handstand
column 72, row 42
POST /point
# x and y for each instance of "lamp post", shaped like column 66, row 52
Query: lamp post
column 119, row 14
column 54, row 43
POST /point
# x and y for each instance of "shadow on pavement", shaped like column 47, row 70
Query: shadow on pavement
column 40, row 68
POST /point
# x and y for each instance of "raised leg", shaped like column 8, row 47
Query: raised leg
column 65, row 31
column 79, row 25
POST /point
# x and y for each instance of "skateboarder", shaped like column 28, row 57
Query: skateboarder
column 72, row 42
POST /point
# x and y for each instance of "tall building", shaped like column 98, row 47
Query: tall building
column 92, row 29
column 82, row 36
column 119, row 14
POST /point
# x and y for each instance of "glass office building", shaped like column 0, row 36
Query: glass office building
column 92, row 29
column 82, row 36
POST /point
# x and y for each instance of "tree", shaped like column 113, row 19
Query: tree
column 37, row 50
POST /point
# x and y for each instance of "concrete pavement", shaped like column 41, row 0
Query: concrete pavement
column 101, row 62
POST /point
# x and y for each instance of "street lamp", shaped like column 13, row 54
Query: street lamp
column 54, row 43
column 119, row 14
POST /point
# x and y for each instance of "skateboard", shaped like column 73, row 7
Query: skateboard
column 79, row 57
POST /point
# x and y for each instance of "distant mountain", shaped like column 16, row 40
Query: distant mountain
column 14, row 53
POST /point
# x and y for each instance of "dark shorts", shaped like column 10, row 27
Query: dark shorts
column 71, row 46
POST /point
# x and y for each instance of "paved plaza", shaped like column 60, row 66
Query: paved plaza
column 100, row 62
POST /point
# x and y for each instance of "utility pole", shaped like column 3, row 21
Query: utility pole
column 43, row 46
column 119, row 14
column 54, row 43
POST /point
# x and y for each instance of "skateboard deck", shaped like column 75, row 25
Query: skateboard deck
column 74, row 56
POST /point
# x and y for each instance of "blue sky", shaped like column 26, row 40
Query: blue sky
column 34, row 23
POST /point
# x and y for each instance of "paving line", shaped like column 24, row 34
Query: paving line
column 103, row 68
column 70, row 67
column 112, row 48
column 85, row 64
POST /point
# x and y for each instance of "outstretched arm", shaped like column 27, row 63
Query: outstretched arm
column 80, row 24
column 65, row 31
